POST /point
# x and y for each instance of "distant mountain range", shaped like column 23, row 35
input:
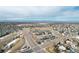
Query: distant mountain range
column 32, row 22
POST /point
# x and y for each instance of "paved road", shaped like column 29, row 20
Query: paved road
column 39, row 48
column 29, row 39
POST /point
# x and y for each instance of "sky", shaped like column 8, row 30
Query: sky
column 39, row 13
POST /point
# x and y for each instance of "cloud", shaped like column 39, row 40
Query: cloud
column 68, row 14
column 19, row 12
column 29, row 13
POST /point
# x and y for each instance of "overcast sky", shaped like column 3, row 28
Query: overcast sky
column 40, row 13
